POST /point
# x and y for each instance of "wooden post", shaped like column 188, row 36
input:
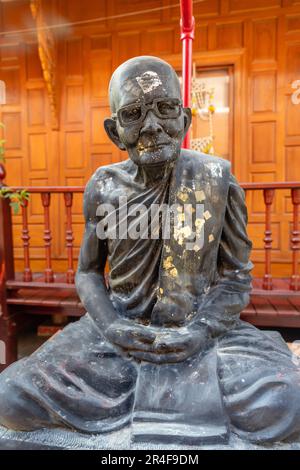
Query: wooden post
column 47, row 237
column 27, row 275
column 268, row 198
column 69, row 237
column 8, row 339
column 295, row 239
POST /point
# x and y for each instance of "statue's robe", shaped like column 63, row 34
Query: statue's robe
column 80, row 380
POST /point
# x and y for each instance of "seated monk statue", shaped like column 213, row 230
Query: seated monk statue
column 161, row 348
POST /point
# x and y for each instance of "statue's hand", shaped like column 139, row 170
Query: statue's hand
column 173, row 345
column 130, row 335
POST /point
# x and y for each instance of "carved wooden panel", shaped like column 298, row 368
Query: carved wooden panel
column 38, row 152
column 128, row 45
column 14, row 169
column 292, row 118
column 265, row 45
column 11, row 77
column 33, row 64
column 152, row 43
column 246, row 5
column 292, row 63
column 264, row 92
column 36, row 107
column 13, row 137
column 263, row 142
column 74, row 104
column 98, row 134
column 229, row 35
column 78, row 10
column 292, row 164
column 293, row 23
column 74, row 150
column 74, row 57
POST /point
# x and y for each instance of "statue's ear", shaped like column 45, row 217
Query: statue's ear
column 110, row 127
column 187, row 119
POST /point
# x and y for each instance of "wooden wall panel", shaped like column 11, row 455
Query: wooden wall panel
column 14, row 168
column 238, row 6
column 33, row 65
column 36, row 107
column 74, row 104
column 263, row 142
column 259, row 39
column 265, row 44
column 264, row 92
column 74, row 57
column 292, row 63
column 11, row 77
column 293, row 23
column 152, row 43
column 293, row 163
column 78, row 10
column 292, row 118
column 128, row 45
column 98, row 134
column 38, row 156
column 13, row 137
column 74, row 150
column 229, row 36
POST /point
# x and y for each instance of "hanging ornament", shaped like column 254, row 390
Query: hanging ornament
column 202, row 106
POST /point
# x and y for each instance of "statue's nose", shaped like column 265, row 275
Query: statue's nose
column 151, row 124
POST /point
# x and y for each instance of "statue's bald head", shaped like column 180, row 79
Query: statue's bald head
column 141, row 77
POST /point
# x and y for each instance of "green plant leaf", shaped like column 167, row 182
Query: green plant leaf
column 15, row 206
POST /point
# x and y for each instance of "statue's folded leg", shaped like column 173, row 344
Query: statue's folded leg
column 261, row 385
column 76, row 380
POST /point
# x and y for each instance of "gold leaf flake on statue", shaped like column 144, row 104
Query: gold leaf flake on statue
column 207, row 215
column 168, row 262
column 211, row 238
column 161, row 291
column 186, row 231
column 174, row 272
column 200, row 196
column 183, row 196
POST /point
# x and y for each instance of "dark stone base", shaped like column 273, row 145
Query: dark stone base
column 52, row 439
column 10, row 444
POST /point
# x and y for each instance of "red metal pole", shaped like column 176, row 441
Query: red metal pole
column 187, row 25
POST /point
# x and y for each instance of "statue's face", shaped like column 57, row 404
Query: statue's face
column 150, row 120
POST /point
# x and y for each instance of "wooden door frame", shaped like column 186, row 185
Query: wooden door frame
column 237, row 59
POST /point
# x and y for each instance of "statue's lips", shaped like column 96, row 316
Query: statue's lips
column 151, row 147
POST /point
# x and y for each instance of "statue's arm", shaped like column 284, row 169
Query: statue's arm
column 90, row 281
column 223, row 303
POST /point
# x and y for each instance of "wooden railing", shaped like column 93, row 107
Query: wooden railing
column 29, row 278
column 268, row 190
column 48, row 279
